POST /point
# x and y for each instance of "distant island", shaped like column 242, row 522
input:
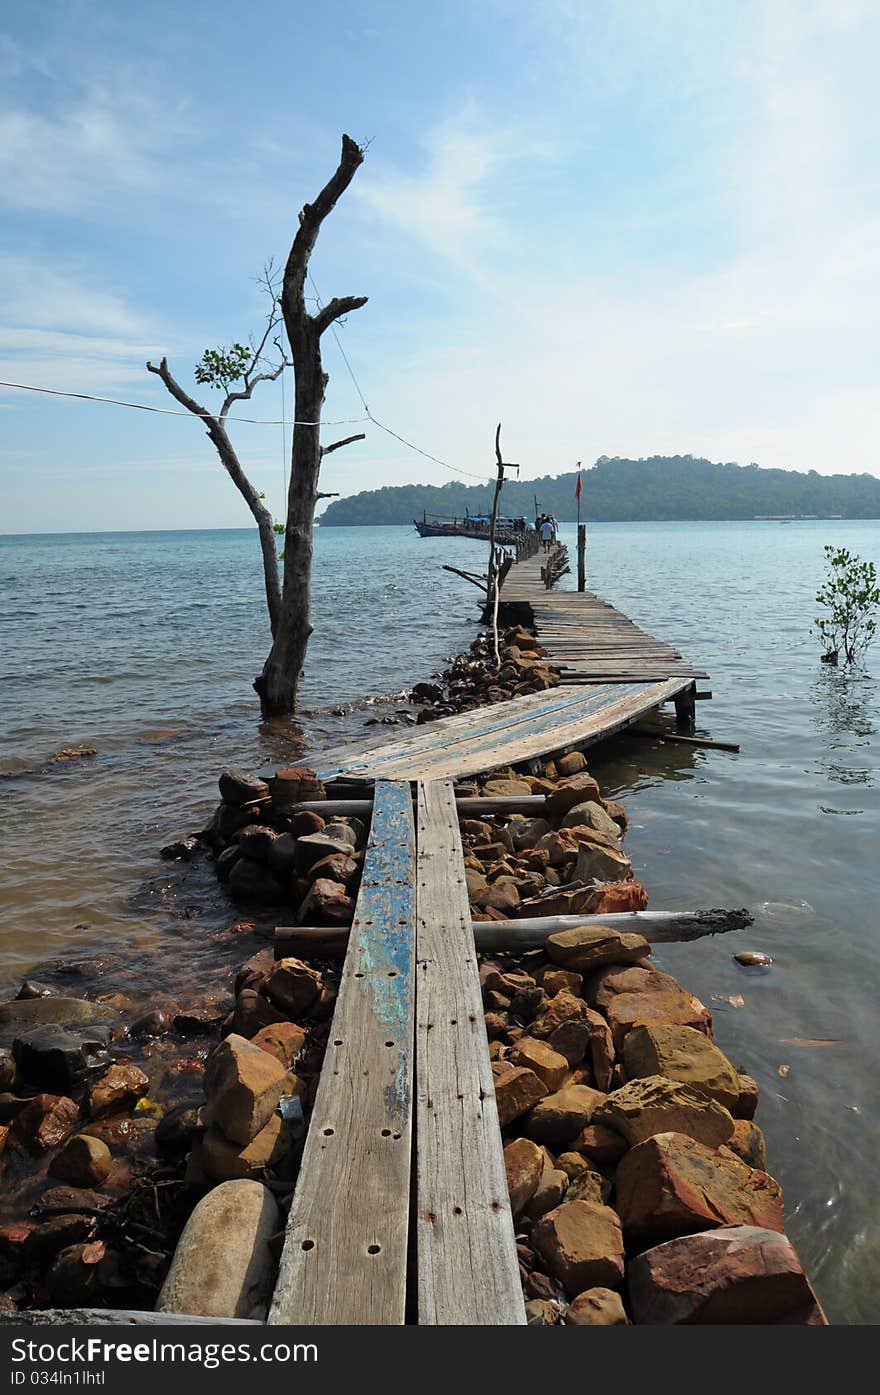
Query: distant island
column 661, row 487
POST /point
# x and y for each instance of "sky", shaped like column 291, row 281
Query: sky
column 619, row 227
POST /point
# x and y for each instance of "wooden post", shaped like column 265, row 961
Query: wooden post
column 582, row 556
column 685, row 708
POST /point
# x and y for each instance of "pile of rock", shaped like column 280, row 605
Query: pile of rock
column 475, row 679
column 568, row 861
column 271, row 854
column 634, row 1165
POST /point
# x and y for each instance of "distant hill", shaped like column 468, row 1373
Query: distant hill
column 616, row 489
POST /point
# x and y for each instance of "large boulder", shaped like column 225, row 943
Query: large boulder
column 671, row 1185
column 737, row 1274
column 590, row 814
column 238, row 787
column 560, row 1117
column 598, row 864
column 223, row 1266
column 581, row 1245
column 243, row 1085
column 654, row 1104
column 641, row 993
column 681, row 1053
column 588, row 947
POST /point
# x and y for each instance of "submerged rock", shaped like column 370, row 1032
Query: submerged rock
column 22, row 1014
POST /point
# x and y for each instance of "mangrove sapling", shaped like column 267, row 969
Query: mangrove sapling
column 850, row 595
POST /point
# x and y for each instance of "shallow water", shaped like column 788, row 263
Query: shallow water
column 144, row 646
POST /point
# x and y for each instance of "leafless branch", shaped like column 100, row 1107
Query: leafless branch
column 335, row 309
column 337, row 445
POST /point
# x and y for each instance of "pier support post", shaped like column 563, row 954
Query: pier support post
column 582, row 556
column 686, row 708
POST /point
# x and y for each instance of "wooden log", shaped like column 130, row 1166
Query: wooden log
column 467, row 805
column 345, row 1249
column 679, row 739
column 582, row 552
column 468, row 1274
column 658, row 927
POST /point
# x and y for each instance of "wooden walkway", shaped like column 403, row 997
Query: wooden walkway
column 349, row 1257
column 585, row 637
column 503, row 732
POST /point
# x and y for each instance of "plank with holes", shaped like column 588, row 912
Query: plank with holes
column 345, row 1248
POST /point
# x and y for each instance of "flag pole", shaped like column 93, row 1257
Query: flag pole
column 581, row 535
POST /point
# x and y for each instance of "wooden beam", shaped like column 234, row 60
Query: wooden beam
column 467, row 1263
column 345, row 1250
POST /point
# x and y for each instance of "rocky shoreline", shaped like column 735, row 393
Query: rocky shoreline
column 635, row 1168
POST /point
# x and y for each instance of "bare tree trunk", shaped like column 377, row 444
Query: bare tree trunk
column 277, row 684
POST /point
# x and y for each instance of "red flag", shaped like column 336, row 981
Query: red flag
column 577, row 488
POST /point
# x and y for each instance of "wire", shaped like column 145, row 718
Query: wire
column 172, row 412
column 381, row 425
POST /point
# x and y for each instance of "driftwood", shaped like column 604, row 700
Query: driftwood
column 468, row 576
column 676, row 738
column 658, row 927
column 468, row 806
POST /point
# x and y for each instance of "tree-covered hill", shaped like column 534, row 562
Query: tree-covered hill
column 660, row 487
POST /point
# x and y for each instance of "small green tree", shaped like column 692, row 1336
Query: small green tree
column 850, row 595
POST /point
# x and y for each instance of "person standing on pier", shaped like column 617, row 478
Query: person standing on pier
column 546, row 532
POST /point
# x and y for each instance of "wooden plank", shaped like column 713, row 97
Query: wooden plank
column 470, row 755
column 467, row 1263
column 345, row 1250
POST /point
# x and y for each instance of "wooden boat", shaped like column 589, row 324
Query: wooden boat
column 507, row 530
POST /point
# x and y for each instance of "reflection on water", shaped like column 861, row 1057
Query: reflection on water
column 146, row 649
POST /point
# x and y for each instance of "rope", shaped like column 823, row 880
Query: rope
column 172, row 412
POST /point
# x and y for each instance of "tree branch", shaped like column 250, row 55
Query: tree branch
column 337, row 445
column 182, row 396
column 250, row 384
column 310, row 220
column 335, row 308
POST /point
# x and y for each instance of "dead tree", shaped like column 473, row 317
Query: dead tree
column 289, row 601
column 277, row 684
column 222, row 368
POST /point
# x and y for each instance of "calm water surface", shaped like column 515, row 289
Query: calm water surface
column 144, row 646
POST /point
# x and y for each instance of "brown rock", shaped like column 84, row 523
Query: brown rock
column 747, row 1141
column 590, row 814
column 295, row 784
column 524, row 1164
column 562, row 980
column 243, row 1086
column 617, row 812
column 644, row 994
column 548, row 1194
column 571, row 763
column 477, row 886
column 543, row 1312
column 335, row 868
column 581, row 1245
column 589, row 1186
column 251, row 881
column 747, row 1100
column 282, row 856
column 515, row 1092
column 588, row 947
column 575, row 789
column 618, row 897
column 562, row 1116
column 119, row 1088
column 216, row 1157
column 564, row 1007
column 327, row 903
column 305, row 821
column 256, row 841
column 253, row 1012
column 654, row 1104
column 599, row 1144
column 44, row 1123
column 283, row 1040
column 598, row 864
column 314, row 847
column 737, row 1274
column 83, row 1162
column 505, row 788
column 502, row 897
column 571, row 1039
column 596, row 1307
column 681, row 1053
column 237, row 787
column 536, row 1055
column 672, row 1185
column 292, row 986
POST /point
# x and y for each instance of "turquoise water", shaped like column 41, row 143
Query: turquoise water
column 144, row 646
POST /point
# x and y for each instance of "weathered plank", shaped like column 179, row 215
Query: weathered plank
column 467, row 1263
column 344, row 1258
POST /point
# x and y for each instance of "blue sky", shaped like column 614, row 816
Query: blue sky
column 620, row 228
